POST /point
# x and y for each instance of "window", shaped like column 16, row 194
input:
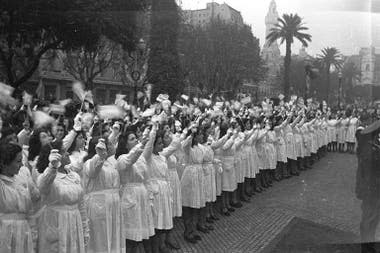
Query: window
column 113, row 95
column 367, row 67
column 50, row 92
column 101, row 96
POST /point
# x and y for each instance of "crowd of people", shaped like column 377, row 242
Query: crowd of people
column 116, row 178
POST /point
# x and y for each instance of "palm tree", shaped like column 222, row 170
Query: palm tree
column 330, row 57
column 290, row 26
column 350, row 72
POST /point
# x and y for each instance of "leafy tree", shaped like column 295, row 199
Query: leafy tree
column 330, row 57
column 220, row 56
column 87, row 64
column 28, row 29
column 350, row 73
column 290, row 27
column 164, row 70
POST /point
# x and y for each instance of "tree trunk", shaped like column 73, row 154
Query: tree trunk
column 287, row 62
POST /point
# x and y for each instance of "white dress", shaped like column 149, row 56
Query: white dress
column 136, row 210
column 290, row 143
column 175, row 183
column 159, row 185
column 192, row 180
column 15, row 203
column 228, row 161
column 240, row 158
column 209, row 173
column 63, row 223
column 271, row 150
column 342, row 130
column 352, row 127
column 101, row 185
column 281, row 146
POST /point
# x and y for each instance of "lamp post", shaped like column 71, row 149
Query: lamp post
column 340, row 87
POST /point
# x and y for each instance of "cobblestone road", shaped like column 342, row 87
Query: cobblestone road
column 324, row 195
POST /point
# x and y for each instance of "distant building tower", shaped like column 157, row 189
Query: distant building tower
column 271, row 53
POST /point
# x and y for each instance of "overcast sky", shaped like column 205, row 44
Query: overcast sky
column 345, row 24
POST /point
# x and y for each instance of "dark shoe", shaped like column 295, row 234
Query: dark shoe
column 197, row 237
column 173, row 245
column 244, row 199
column 209, row 220
column 164, row 249
column 259, row 190
column 214, row 217
column 231, row 209
column 202, row 229
column 191, row 239
column 236, row 205
column 209, row 227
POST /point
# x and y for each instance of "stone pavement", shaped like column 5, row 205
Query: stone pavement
column 324, row 195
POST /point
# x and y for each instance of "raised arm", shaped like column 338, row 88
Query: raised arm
column 46, row 179
column 173, row 146
column 238, row 142
column 68, row 140
column 228, row 144
column 124, row 162
column 218, row 143
column 148, row 150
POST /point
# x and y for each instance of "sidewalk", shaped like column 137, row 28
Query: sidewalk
column 323, row 195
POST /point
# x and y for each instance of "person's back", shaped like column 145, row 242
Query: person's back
column 368, row 181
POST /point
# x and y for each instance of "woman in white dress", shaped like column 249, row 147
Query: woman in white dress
column 228, row 175
column 159, row 185
column 63, row 224
column 211, row 166
column 281, row 171
column 15, row 203
column 136, row 211
column 350, row 136
column 342, row 131
column 192, row 185
column 101, row 185
column 172, row 143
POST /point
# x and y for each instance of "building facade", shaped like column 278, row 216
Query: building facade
column 213, row 11
column 271, row 52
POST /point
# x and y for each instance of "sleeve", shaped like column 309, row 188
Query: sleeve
column 174, row 145
column 229, row 143
column 68, row 140
column 125, row 162
column 46, row 179
column 217, row 144
column 113, row 138
column 95, row 164
column 238, row 143
column 148, row 150
column 186, row 143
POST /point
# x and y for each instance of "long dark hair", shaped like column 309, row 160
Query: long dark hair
column 8, row 152
column 43, row 158
column 35, row 143
column 73, row 145
column 122, row 144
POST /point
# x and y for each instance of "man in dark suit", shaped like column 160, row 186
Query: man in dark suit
column 368, row 179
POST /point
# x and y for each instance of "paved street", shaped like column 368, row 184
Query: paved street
column 324, row 195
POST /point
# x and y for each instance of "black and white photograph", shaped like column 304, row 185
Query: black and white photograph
column 165, row 126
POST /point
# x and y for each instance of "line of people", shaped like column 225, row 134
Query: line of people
column 113, row 186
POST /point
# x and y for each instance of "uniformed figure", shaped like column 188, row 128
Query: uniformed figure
column 368, row 179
